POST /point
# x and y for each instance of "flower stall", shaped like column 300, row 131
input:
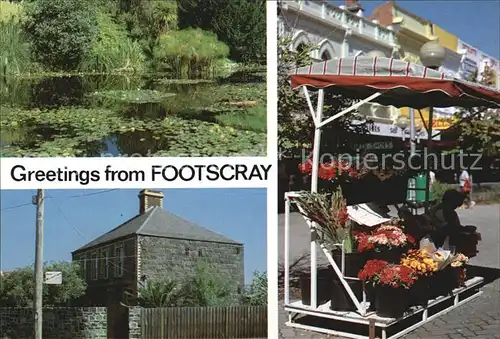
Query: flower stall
column 383, row 269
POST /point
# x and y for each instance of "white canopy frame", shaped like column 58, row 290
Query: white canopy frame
column 366, row 67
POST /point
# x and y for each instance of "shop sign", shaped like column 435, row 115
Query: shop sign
column 387, row 130
column 442, row 123
column 379, row 145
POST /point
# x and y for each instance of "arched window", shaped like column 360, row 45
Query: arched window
column 325, row 56
column 300, row 48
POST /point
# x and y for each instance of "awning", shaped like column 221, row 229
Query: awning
column 401, row 83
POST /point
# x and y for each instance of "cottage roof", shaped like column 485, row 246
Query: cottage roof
column 159, row 223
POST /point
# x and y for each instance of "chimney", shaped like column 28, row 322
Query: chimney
column 354, row 6
column 149, row 199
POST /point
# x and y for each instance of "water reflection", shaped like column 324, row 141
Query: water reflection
column 140, row 100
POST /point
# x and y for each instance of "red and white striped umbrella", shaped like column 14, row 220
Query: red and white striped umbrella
column 402, row 84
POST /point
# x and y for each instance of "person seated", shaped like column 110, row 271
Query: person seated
column 445, row 220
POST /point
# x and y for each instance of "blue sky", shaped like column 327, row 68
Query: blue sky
column 74, row 217
column 477, row 22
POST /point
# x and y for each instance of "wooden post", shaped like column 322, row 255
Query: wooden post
column 38, row 307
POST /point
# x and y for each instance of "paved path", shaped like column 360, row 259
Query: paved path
column 478, row 319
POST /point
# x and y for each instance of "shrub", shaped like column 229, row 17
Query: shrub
column 113, row 50
column 191, row 51
column 61, row 31
column 438, row 190
column 256, row 292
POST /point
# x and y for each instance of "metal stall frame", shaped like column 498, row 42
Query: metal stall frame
column 375, row 76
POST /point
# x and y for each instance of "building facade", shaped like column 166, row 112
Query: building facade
column 155, row 245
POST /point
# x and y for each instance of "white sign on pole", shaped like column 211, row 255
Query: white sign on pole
column 53, row 278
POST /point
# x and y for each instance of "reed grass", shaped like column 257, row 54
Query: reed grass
column 191, row 52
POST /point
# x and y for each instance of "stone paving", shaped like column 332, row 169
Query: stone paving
column 478, row 319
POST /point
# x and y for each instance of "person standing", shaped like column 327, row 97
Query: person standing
column 465, row 187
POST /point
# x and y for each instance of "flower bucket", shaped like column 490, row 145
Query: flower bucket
column 370, row 292
column 340, row 299
column 354, row 262
column 420, row 292
column 442, row 282
column 391, row 302
column 323, row 287
column 392, row 256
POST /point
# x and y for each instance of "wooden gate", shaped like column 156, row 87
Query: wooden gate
column 117, row 321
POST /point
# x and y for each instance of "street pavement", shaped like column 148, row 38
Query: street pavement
column 478, row 319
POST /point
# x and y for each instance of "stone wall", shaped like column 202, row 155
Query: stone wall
column 58, row 323
column 165, row 258
column 134, row 322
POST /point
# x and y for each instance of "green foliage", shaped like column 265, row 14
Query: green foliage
column 295, row 125
column 256, row 293
column 190, row 52
column 159, row 294
column 113, row 51
column 206, row 289
column 15, row 52
column 438, row 189
column 81, row 132
column 252, row 119
column 11, row 11
column 133, row 96
column 17, row 287
column 479, row 133
column 241, row 24
column 61, row 32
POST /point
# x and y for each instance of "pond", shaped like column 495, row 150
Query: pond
column 117, row 115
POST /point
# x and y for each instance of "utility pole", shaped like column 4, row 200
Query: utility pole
column 39, row 201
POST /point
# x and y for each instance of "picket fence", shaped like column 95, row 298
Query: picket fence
column 204, row 322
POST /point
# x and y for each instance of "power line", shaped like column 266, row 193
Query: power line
column 90, row 194
column 16, row 206
column 65, row 218
column 69, row 197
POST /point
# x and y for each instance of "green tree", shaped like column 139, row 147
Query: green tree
column 295, row 124
column 479, row 133
column 206, row 289
column 241, row 24
column 256, row 292
column 17, row 287
column 61, row 32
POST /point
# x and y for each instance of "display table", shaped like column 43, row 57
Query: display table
column 459, row 296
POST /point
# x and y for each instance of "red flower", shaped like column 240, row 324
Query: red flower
column 364, row 244
column 306, row 167
column 343, row 216
column 371, row 269
column 352, row 172
column 397, row 276
column 410, row 239
column 327, row 172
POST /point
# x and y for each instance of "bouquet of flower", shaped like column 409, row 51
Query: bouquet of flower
column 329, row 214
column 420, row 261
column 339, row 171
column 371, row 271
column 335, row 171
column 386, row 236
column 397, row 276
column 459, row 260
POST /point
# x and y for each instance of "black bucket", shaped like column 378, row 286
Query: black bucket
column 323, row 287
column 340, row 299
column 354, row 262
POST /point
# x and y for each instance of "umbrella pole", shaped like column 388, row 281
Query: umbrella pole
column 314, row 188
column 427, row 152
